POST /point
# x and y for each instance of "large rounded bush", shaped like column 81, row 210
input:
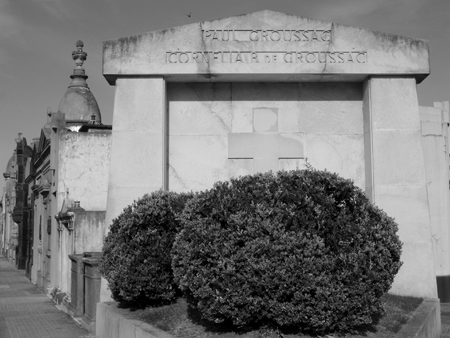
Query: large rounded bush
column 136, row 258
column 303, row 248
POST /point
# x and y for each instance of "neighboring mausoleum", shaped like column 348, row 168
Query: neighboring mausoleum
column 268, row 91
column 66, row 182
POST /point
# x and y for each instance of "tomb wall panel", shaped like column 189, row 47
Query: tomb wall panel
column 197, row 161
column 416, row 254
column 343, row 154
column 395, row 157
column 201, row 119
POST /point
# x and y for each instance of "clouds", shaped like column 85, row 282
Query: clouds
column 338, row 11
column 57, row 8
column 9, row 24
column 9, row 29
column 18, row 16
column 67, row 9
column 356, row 12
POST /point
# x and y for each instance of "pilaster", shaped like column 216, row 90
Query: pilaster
column 138, row 152
column 395, row 177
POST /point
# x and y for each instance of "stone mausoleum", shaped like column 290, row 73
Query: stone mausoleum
column 65, row 196
column 268, row 91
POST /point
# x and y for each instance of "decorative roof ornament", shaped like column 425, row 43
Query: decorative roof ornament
column 78, row 103
column 79, row 76
column 20, row 138
column 93, row 120
column 79, row 55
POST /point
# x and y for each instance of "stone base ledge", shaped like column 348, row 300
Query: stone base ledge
column 426, row 321
column 89, row 325
column 113, row 322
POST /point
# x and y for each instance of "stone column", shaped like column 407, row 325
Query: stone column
column 395, row 176
column 138, row 146
column 435, row 133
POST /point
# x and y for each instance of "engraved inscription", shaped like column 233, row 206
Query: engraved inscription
column 266, row 57
column 296, row 35
column 319, row 37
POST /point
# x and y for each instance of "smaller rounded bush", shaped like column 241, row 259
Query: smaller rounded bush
column 136, row 258
column 304, row 248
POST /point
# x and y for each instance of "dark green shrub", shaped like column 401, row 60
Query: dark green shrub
column 303, row 248
column 136, row 258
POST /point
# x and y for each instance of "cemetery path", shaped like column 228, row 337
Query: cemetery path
column 26, row 312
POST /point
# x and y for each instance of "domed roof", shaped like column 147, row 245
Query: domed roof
column 78, row 103
column 10, row 166
column 11, row 163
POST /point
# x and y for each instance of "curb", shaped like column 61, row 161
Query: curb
column 113, row 322
column 426, row 321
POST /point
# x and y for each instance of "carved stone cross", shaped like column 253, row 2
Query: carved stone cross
column 265, row 145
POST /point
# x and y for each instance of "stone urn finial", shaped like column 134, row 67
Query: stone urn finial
column 79, row 55
column 79, row 76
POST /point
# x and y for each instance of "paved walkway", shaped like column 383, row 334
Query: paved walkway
column 26, row 312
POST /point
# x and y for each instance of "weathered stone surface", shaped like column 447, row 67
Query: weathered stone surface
column 331, row 108
column 435, row 138
column 426, row 322
column 343, row 154
column 395, row 157
column 124, row 324
column 199, row 114
column 268, row 45
column 138, row 122
column 398, row 181
column 200, row 168
column 77, row 286
column 199, row 109
column 208, row 101
column 92, row 152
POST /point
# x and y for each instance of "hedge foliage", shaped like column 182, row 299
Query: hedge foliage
column 303, row 248
column 136, row 258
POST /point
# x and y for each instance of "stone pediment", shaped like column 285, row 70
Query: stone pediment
column 265, row 46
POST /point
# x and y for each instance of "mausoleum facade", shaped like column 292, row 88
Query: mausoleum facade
column 269, row 91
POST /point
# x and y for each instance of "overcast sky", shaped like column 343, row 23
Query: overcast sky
column 37, row 38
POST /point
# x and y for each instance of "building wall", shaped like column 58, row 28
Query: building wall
column 3, row 221
column 70, row 166
column 83, row 164
column 380, row 146
column 82, row 175
column 2, row 229
column 435, row 132
column 20, row 212
column 11, row 228
column 326, row 119
column 42, row 251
